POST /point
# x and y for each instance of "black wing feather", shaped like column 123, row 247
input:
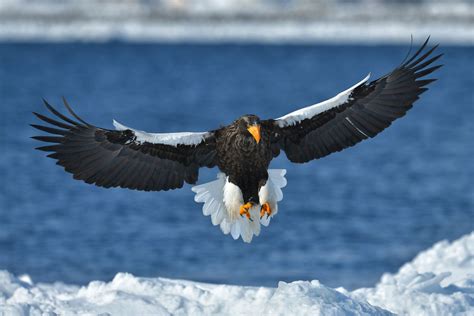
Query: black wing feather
column 369, row 110
column 110, row 158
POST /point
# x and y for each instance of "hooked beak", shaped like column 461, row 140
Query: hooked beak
column 255, row 131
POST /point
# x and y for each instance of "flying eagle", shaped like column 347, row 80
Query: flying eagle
column 246, row 192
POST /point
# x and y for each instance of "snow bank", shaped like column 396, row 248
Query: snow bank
column 439, row 281
column 129, row 295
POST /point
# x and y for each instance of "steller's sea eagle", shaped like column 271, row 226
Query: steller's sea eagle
column 246, row 192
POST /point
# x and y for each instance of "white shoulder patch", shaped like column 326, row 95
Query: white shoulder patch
column 222, row 200
column 312, row 110
column 173, row 139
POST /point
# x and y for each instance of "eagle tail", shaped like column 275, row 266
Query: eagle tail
column 212, row 195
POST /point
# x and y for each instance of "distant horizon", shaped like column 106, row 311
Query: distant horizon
column 240, row 33
column 253, row 22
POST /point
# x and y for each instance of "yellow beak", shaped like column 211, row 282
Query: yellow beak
column 255, row 131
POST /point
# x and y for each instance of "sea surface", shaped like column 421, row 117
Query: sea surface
column 344, row 220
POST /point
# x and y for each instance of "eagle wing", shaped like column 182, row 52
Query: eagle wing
column 358, row 113
column 125, row 157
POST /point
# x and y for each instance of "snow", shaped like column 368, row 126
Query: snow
column 129, row 295
column 439, row 281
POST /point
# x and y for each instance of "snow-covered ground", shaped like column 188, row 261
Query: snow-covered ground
column 439, row 281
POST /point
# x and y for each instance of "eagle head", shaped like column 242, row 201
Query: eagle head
column 250, row 124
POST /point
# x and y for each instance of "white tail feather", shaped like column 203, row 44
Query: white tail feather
column 222, row 201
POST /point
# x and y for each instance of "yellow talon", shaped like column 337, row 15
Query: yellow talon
column 266, row 209
column 244, row 210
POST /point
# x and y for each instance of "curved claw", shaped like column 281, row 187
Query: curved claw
column 266, row 209
column 244, row 210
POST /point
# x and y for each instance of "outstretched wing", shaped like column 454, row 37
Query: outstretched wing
column 360, row 112
column 125, row 157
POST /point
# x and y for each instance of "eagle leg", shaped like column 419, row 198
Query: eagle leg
column 244, row 210
column 266, row 209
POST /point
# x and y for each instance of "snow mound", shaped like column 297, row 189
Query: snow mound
column 129, row 295
column 438, row 281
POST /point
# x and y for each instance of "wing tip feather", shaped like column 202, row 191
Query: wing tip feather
column 69, row 109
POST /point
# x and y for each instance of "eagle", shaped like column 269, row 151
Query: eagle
column 246, row 193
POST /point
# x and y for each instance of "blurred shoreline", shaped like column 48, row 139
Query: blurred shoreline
column 245, row 21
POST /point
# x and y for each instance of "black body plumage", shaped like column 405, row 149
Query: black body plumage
column 242, row 159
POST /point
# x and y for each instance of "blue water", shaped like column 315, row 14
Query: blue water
column 345, row 219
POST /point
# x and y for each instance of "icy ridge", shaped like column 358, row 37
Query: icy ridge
column 439, row 281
